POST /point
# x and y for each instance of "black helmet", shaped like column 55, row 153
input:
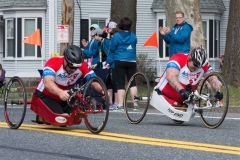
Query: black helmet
column 73, row 55
column 199, row 57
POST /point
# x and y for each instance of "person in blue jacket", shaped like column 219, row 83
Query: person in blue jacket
column 91, row 49
column 179, row 36
column 123, row 51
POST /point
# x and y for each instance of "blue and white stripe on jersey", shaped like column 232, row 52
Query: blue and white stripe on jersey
column 173, row 64
column 48, row 72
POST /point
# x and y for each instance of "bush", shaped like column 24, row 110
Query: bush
column 145, row 64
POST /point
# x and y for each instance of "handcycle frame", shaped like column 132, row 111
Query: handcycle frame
column 202, row 102
column 180, row 115
column 83, row 103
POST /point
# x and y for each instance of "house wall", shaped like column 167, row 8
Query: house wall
column 146, row 26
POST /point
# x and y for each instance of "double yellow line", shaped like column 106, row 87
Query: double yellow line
column 131, row 139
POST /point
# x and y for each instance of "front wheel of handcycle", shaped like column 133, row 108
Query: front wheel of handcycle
column 137, row 98
column 213, row 117
column 97, row 120
column 15, row 102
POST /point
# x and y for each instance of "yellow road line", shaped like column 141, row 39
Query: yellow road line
column 132, row 139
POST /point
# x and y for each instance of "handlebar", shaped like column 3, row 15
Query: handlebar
column 196, row 96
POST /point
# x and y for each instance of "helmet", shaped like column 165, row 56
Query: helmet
column 199, row 57
column 96, row 26
column 73, row 55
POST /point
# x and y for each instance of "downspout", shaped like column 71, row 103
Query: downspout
column 79, row 6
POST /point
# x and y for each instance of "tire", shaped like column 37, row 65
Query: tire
column 15, row 102
column 177, row 121
column 142, row 100
column 213, row 118
column 97, row 120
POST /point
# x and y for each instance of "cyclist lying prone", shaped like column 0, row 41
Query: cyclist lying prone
column 184, row 69
column 58, row 74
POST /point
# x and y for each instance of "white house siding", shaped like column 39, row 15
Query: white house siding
column 146, row 25
column 77, row 17
column 223, row 26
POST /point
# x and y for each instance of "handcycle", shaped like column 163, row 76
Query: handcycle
column 85, row 103
column 212, row 112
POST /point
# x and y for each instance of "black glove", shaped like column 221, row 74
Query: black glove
column 184, row 94
column 218, row 96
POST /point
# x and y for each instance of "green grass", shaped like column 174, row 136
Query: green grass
column 234, row 96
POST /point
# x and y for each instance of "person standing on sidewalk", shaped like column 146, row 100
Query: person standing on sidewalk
column 179, row 36
column 123, row 50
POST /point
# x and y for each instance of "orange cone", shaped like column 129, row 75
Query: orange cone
column 34, row 38
column 152, row 41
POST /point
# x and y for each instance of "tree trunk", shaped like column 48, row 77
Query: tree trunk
column 191, row 10
column 124, row 8
column 231, row 67
column 67, row 19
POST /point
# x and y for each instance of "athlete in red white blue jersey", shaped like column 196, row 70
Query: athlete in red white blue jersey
column 181, row 70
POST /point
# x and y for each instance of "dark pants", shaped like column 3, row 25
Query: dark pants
column 110, row 84
column 53, row 104
column 1, row 84
column 122, row 69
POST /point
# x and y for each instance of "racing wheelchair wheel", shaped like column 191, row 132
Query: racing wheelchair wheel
column 97, row 120
column 213, row 117
column 177, row 121
column 140, row 95
column 15, row 102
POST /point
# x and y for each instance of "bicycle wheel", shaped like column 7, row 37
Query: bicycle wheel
column 213, row 117
column 15, row 102
column 97, row 120
column 177, row 121
column 137, row 98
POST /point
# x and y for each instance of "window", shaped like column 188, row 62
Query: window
column 217, row 42
column 100, row 22
column 10, row 38
column 29, row 26
column 204, row 24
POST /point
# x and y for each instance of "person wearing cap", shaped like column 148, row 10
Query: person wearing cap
column 111, row 28
column 221, row 58
column 93, row 51
column 123, row 50
column 93, row 27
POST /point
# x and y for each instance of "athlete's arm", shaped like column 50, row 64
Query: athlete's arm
column 53, row 88
column 172, row 77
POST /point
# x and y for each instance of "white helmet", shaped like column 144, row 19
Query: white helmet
column 199, row 57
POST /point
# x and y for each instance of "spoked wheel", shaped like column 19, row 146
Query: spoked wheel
column 15, row 102
column 213, row 117
column 137, row 98
column 177, row 121
column 97, row 120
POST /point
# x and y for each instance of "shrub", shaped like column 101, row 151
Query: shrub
column 145, row 64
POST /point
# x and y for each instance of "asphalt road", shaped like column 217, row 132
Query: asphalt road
column 156, row 137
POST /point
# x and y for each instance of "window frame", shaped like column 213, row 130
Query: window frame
column 23, row 33
column 98, row 17
column 7, row 38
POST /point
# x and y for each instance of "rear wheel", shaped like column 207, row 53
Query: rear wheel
column 15, row 102
column 177, row 121
column 213, row 117
column 96, row 120
column 137, row 98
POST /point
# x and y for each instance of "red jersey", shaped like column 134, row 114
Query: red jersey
column 54, row 67
column 185, row 77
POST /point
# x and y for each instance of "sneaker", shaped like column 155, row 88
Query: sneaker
column 113, row 107
column 135, row 108
column 119, row 108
